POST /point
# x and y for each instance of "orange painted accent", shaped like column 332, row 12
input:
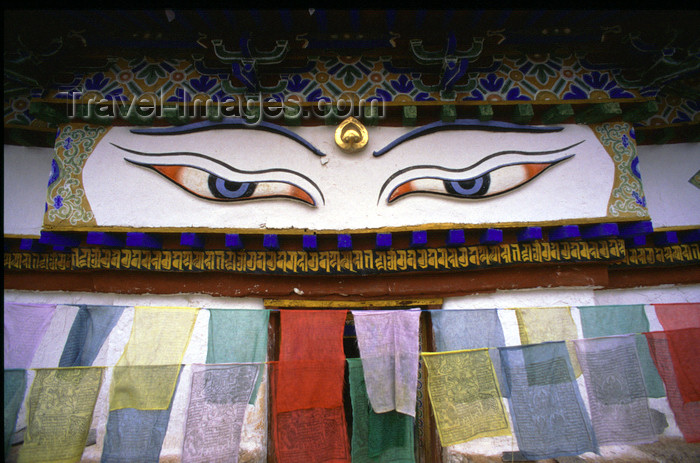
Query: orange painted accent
column 535, row 169
column 302, row 195
column 401, row 190
column 172, row 172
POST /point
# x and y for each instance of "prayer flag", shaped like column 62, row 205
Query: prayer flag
column 146, row 374
column 24, row 326
column 390, row 352
column 615, row 387
column 684, row 346
column 465, row 396
column 14, row 386
column 135, row 436
column 549, row 417
column 544, row 324
column 687, row 414
column 239, row 336
column 610, row 320
column 377, row 437
column 90, row 328
column 309, row 419
column 59, row 412
column 678, row 316
column 218, row 400
column 470, row 329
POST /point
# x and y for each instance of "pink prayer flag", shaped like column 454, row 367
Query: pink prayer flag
column 24, row 326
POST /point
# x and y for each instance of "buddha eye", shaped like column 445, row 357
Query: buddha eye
column 491, row 183
column 492, row 175
column 213, row 187
column 214, row 180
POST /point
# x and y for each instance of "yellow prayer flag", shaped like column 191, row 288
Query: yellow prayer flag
column 146, row 374
column 465, row 396
column 543, row 324
column 59, row 412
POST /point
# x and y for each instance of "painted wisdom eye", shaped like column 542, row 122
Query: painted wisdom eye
column 494, row 182
column 213, row 187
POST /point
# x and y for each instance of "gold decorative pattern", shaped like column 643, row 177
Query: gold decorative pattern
column 67, row 203
column 627, row 196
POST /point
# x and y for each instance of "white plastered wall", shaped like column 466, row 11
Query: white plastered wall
column 25, row 178
column 666, row 170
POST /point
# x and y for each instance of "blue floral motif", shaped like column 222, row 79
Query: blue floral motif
column 55, row 172
column 57, row 202
column 402, row 84
column 514, row 94
column 619, row 93
column 317, row 95
column 68, row 143
column 575, row 93
column 423, row 96
column 297, row 84
column 476, row 95
column 96, row 82
column 180, row 96
column 626, row 141
column 680, row 117
column 693, row 105
column 600, row 81
column 641, row 200
column 99, row 82
column 203, row 84
column 492, row 83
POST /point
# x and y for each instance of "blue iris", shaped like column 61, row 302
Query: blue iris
column 472, row 187
column 225, row 189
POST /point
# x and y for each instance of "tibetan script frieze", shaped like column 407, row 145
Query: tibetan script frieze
column 667, row 255
column 360, row 262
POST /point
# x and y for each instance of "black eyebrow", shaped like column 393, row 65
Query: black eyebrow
column 482, row 160
column 466, row 124
column 218, row 161
column 231, row 123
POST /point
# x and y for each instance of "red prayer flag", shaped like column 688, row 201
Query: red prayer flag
column 685, row 352
column 678, row 316
column 687, row 414
column 309, row 417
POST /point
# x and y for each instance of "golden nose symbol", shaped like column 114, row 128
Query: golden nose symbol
column 351, row 135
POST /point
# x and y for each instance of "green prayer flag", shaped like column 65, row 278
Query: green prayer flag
column 377, row 437
column 238, row 336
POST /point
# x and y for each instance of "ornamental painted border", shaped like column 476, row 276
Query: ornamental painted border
column 550, row 78
column 367, row 262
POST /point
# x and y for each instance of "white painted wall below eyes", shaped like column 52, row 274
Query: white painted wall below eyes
column 25, row 178
column 666, row 170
